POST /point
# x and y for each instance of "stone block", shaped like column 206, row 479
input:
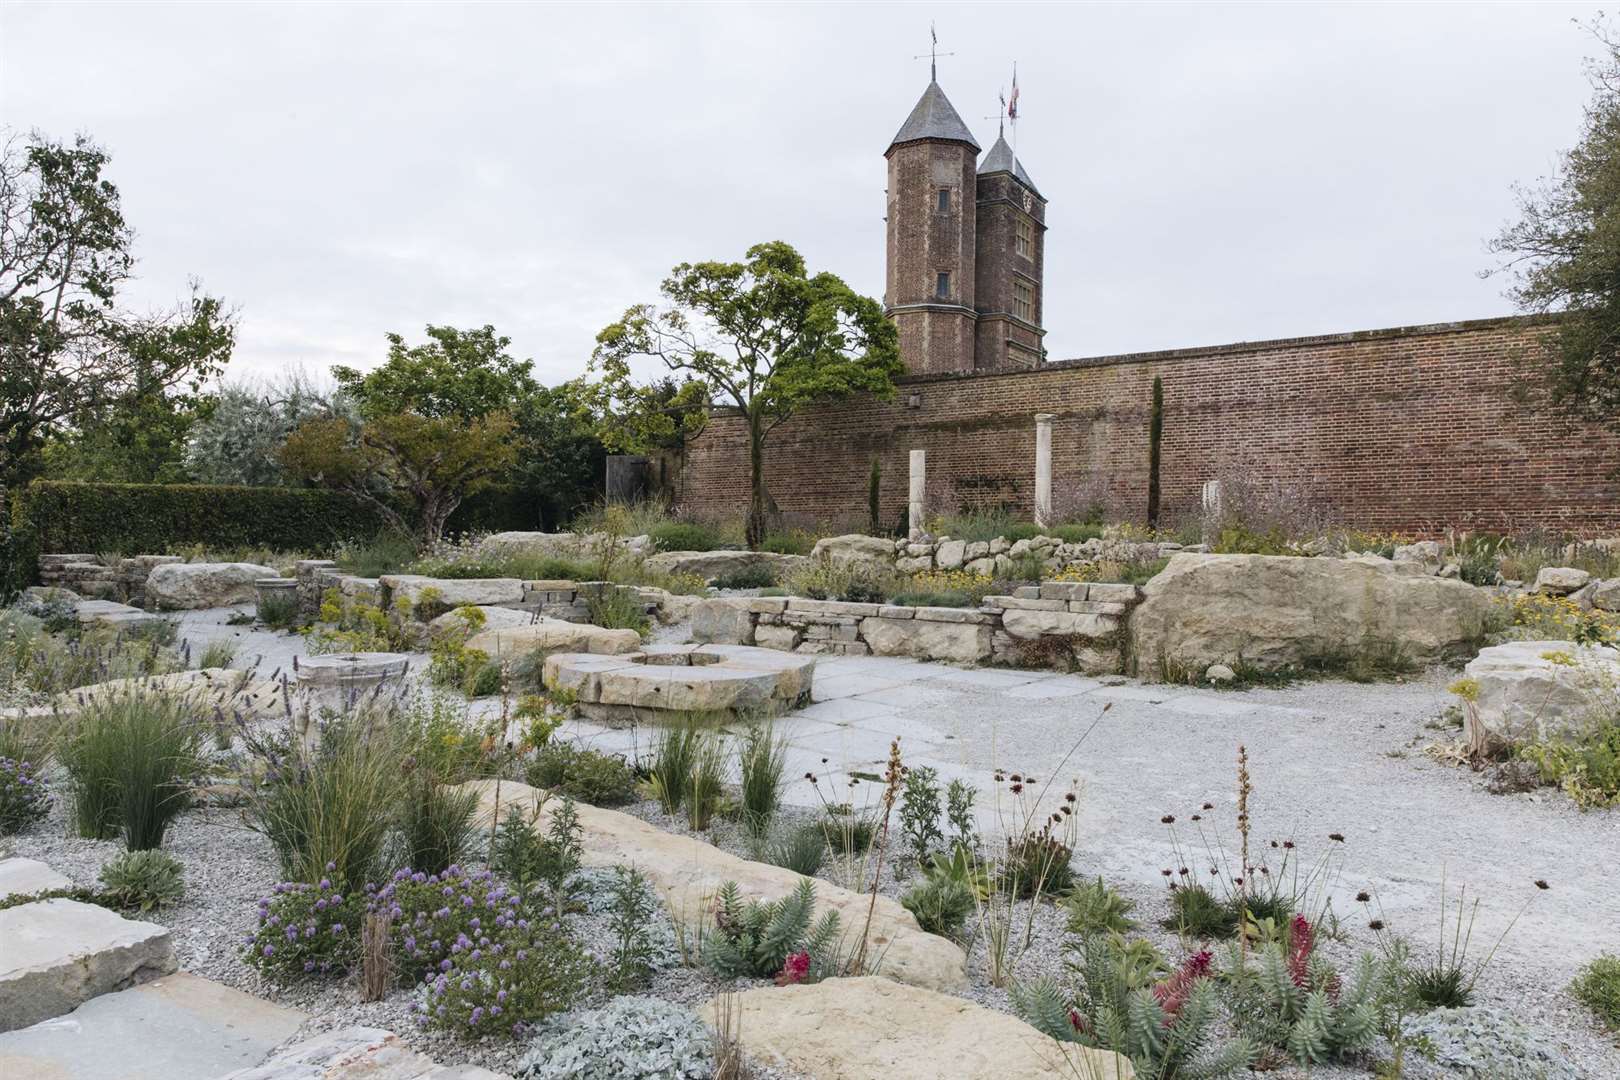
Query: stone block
column 983, row 567
column 1027, row 624
column 915, row 565
column 1117, row 592
column 1098, row 607
column 454, row 592
column 962, row 643
column 1063, row 590
column 978, row 549
column 60, row 953
column 763, row 605
column 184, row 586
column 1606, row 597
column 723, row 621
column 951, row 614
column 831, row 607
column 785, row 638
column 951, row 554
column 888, row 612
column 1019, row 603
column 1027, row 592
column 1560, row 580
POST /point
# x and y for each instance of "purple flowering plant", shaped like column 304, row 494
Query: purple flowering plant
column 24, row 798
column 305, row 932
column 436, row 918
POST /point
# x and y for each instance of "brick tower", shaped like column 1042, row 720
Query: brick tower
column 1010, row 248
column 932, row 247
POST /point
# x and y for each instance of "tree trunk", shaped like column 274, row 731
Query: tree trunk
column 756, row 482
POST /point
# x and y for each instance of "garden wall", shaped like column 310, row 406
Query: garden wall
column 1411, row 429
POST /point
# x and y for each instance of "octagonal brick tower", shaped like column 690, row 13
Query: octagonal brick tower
column 1011, row 251
column 932, row 237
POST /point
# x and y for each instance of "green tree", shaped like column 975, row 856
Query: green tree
column 455, row 373
column 67, row 353
column 434, row 462
column 762, row 336
column 1564, row 253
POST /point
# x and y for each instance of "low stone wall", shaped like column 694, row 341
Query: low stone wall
column 987, row 558
column 89, row 575
column 1056, row 624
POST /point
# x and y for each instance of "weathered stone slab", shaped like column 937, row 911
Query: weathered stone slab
column 1062, row 590
column 1115, row 592
column 768, row 605
column 495, row 618
column 454, row 592
column 950, row 614
column 951, row 554
column 723, row 621
column 1606, row 597
column 962, row 643
column 24, row 877
column 785, row 638
column 112, row 613
column 709, row 565
column 689, row 871
column 179, row 1027
column 554, row 635
column 1560, row 580
column 856, row 549
column 1025, row 604
column 60, row 953
column 661, row 680
column 831, row 607
column 1027, row 624
column 186, row 586
column 358, row 1053
column 872, row 1028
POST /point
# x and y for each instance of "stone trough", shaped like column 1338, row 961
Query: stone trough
column 661, row 681
column 336, row 679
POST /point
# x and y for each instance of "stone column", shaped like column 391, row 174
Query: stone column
column 1043, row 469
column 916, row 510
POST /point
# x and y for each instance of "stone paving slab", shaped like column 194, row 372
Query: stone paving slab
column 59, row 954
column 357, row 1053
column 22, row 877
column 1205, row 705
column 1060, row 687
column 179, row 1027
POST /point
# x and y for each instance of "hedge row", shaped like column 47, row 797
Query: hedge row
column 147, row 518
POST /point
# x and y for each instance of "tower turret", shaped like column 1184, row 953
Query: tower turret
column 933, row 203
column 1011, row 249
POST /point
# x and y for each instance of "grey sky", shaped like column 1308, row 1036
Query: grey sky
column 1216, row 173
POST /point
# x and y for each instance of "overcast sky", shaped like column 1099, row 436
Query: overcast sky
column 1215, row 172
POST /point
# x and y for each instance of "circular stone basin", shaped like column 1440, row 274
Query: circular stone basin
column 662, row 680
column 350, row 671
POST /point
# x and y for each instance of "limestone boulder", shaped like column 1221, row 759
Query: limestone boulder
column 1023, row 623
column 689, row 872
column 1272, row 611
column 553, row 635
column 452, row 592
column 951, row 554
column 187, row 586
column 856, row 549
column 958, row 643
column 1560, row 580
column 495, row 618
column 1530, row 691
column 873, row 1028
column 722, row 621
column 709, row 565
column 1606, row 596
column 1424, row 551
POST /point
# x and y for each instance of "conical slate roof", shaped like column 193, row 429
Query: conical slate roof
column 933, row 118
column 1000, row 159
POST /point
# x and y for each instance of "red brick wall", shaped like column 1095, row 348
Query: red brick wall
column 1412, row 429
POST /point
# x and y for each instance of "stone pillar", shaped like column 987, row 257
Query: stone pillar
column 916, row 510
column 1043, row 469
column 1212, row 500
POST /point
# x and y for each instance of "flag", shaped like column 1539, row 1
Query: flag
column 1012, row 102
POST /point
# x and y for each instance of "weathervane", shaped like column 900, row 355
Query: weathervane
column 933, row 53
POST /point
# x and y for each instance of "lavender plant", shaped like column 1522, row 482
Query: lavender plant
column 24, row 796
column 305, row 931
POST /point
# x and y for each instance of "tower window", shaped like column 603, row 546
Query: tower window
column 944, row 200
column 942, row 285
column 1023, row 300
column 1024, row 238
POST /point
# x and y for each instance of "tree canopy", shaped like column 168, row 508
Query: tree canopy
column 1564, row 252
column 116, row 386
column 762, row 336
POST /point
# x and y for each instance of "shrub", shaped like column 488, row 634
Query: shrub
column 796, row 542
column 629, row 1038
column 1587, row 768
column 436, row 824
column 507, row 981
column 1075, row 534
column 940, row 903
column 305, row 931
column 761, row 759
column 354, row 624
column 280, row 611
column 24, row 796
column 618, row 609
column 433, row 917
column 824, row 580
column 1290, row 998
column 217, row 654
column 584, row 774
column 757, row 938
column 144, row 880
column 683, row 536
column 630, row 964
column 1036, row 864
column 388, row 552
column 328, row 805
column 848, row 833
column 151, row 517
column 1166, row 1027
column 932, row 599
column 1095, row 907
column 1597, row 986
column 749, row 577
column 801, row 850
column 1197, row 912
column 920, row 810
column 524, row 857
column 131, row 760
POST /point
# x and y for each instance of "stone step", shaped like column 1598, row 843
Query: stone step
column 58, row 954
column 24, row 877
column 357, row 1053
column 179, row 1027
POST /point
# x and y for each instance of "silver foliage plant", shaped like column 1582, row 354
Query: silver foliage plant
column 630, row 1038
column 239, row 441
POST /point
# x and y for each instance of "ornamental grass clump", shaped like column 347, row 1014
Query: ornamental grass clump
column 1597, row 986
column 761, row 760
column 436, row 826
column 305, row 931
column 132, row 759
column 24, row 796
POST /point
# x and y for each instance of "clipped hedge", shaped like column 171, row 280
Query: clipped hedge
column 141, row 518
